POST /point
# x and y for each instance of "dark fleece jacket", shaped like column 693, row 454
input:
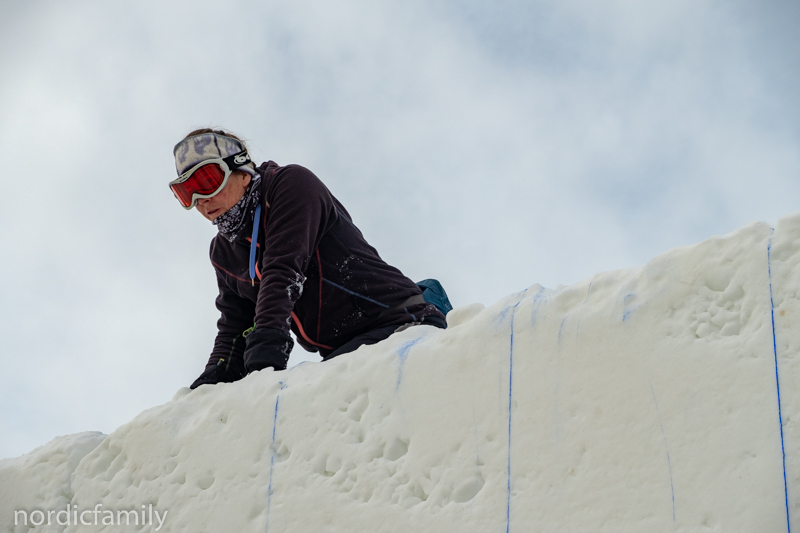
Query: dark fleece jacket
column 318, row 275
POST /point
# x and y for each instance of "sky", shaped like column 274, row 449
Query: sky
column 490, row 145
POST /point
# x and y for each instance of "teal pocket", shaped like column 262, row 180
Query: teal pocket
column 434, row 293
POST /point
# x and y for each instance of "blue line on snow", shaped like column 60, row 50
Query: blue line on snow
column 669, row 462
column 538, row 299
column 272, row 455
column 777, row 380
column 502, row 317
column 561, row 327
column 402, row 354
column 510, row 396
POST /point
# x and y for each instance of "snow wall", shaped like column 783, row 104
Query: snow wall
column 660, row 398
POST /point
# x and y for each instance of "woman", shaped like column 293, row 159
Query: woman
column 287, row 256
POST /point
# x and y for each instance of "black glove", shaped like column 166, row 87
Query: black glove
column 223, row 372
column 267, row 347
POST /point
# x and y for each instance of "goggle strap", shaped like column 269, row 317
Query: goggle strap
column 237, row 160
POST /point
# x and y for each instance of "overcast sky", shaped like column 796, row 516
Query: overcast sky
column 491, row 145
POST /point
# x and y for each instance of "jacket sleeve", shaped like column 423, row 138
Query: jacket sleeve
column 236, row 316
column 300, row 211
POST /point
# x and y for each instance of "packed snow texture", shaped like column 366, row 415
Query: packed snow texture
column 659, row 398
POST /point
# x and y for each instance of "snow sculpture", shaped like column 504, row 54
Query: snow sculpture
column 659, row 398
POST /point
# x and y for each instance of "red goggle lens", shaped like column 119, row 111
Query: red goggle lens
column 205, row 180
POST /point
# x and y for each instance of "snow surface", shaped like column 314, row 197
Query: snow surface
column 647, row 399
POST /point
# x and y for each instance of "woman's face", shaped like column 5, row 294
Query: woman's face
column 233, row 191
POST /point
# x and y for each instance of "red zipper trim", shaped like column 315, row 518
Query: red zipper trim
column 303, row 333
column 297, row 320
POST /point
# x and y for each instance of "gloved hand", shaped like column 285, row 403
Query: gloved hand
column 223, row 372
column 267, row 347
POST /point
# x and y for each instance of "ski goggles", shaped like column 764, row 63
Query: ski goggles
column 206, row 178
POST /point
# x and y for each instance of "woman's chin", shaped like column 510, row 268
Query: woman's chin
column 212, row 214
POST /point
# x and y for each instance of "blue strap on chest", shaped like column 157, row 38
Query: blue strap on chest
column 254, row 243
